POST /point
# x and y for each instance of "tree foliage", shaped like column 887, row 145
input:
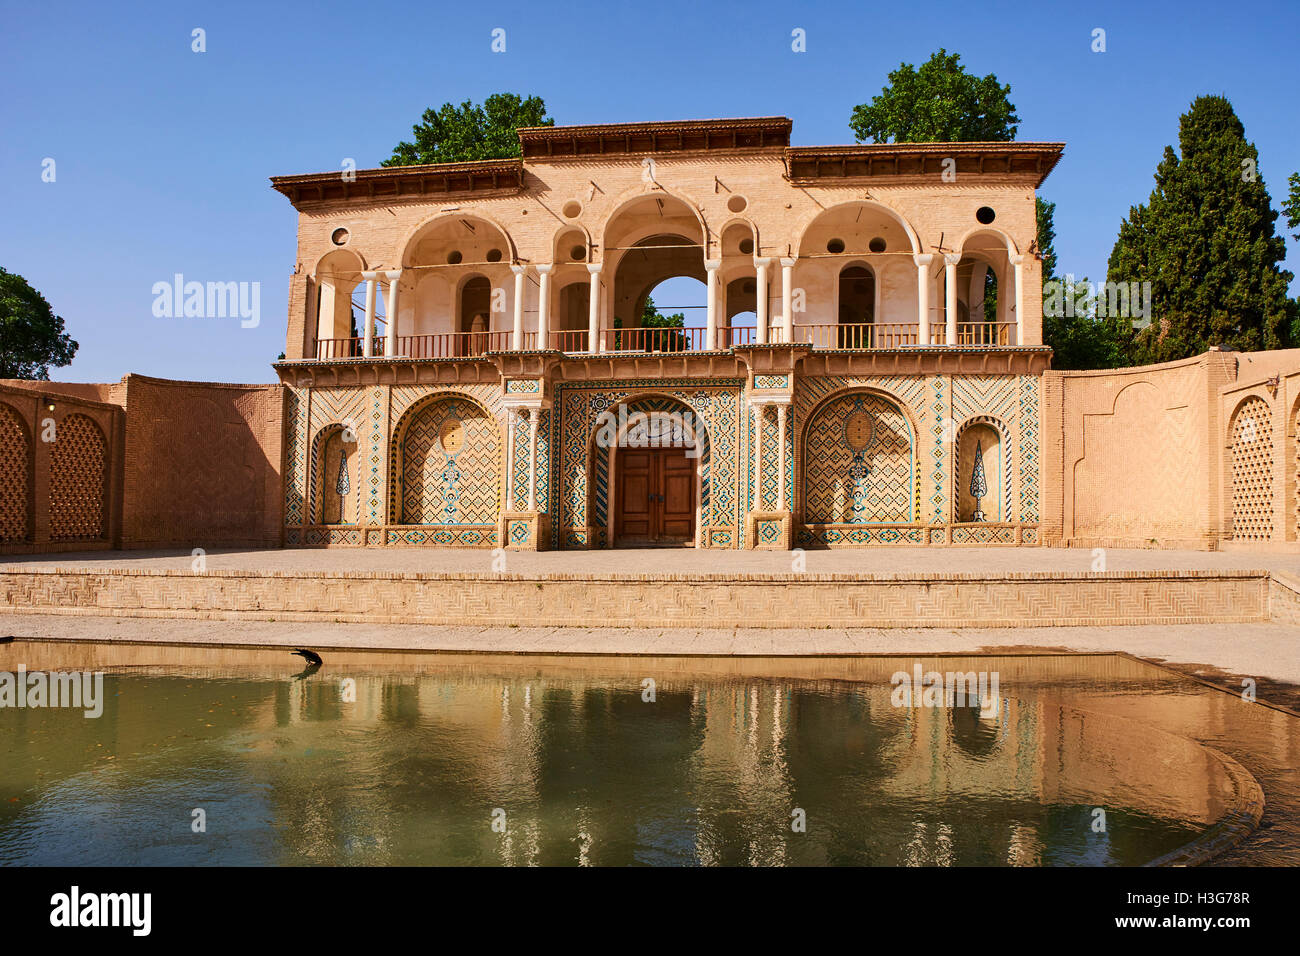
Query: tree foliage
column 456, row 134
column 1205, row 241
column 939, row 103
column 32, row 340
column 1291, row 205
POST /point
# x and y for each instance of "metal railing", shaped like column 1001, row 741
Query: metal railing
column 828, row 337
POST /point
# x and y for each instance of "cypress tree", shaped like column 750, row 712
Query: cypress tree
column 1205, row 240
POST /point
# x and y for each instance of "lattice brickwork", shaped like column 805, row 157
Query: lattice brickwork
column 15, row 475
column 77, row 481
column 1252, row 472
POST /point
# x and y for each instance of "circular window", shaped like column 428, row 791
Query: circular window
column 835, row 246
column 737, row 203
column 876, row 245
column 985, row 214
column 454, row 257
column 494, row 255
column 572, row 209
column 578, row 253
column 339, row 237
column 747, row 246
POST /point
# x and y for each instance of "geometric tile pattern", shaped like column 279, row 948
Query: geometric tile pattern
column 295, row 485
column 77, row 462
column 519, row 482
column 1252, row 471
column 448, row 459
column 1028, row 468
column 869, row 484
column 15, row 475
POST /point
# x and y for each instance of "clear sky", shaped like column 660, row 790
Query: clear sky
column 162, row 154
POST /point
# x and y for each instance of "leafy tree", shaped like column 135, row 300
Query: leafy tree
column 1078, row 337
column 1045, row 213
column 32, row 340
column 939, row 103
column 455, row 134
column 1206, row 243
column 1291, row 205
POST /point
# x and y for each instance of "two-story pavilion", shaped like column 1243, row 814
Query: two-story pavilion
column 867, row 371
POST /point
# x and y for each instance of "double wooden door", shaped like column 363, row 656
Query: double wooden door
column 655, row 503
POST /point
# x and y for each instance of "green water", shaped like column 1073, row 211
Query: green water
column 516, row 765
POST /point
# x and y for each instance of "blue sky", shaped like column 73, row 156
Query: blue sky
column 162, row 154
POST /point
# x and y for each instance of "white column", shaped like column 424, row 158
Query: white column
column 787, row 298
column 711, row 316
column 923, row 261
column 369, row 348
column 780, row 457
column 950, row 261
column 1019, row 262
column 544, row 307
column 512, row 417
column 760, row 275
column 517, row 337
column 593, row 311
column 758, row 457
column 532, row 459
column 390, row 307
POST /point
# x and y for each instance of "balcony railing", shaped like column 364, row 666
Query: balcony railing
column 879, row 335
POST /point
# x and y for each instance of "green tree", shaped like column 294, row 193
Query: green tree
column 939, row 103
column 1205, row 241
column 32, row 340
column 1291, row 205
column 456, row 134
column 1078, row 337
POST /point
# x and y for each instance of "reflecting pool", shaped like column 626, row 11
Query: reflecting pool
column 240, row 756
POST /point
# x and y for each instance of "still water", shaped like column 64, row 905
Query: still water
column 413, row 759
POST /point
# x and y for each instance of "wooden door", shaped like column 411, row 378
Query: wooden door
column 655, row 502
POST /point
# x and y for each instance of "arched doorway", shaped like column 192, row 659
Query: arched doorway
column 857, row 306
column 980, row 489
column 652, row 455
column 336, row 480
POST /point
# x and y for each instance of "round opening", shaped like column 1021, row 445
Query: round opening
column 747, row 246
column 835, row 246
column 339, row 237
column 985, row 214
column 876, row 245
column 453, row 257
column 578, row 253
column 572, row 209
column 494, row 255
column 737, row 203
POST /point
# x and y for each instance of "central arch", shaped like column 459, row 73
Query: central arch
column 650, row 467
column 446, row 464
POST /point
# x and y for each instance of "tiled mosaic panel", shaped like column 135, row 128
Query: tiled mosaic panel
column 15, row 475
column 573, row 423
column 769, row 532
column 295, row 457
column 832, row 537
column 483, row 536
column 989, row 534
column 77, row 462
column 519, row 482
column 842, row 486
column 1252, row 471
column 446, row 484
